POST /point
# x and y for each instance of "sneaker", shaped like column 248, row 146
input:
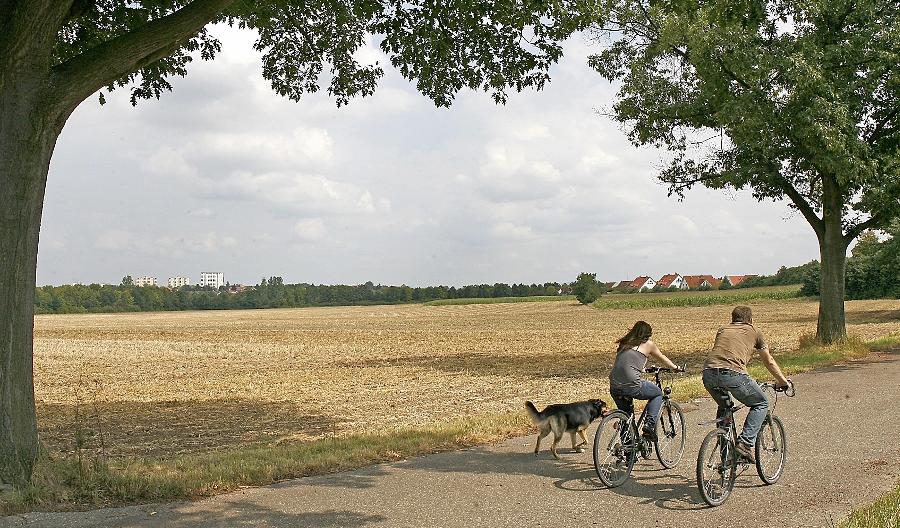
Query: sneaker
column 745, row 451
column 649, row 434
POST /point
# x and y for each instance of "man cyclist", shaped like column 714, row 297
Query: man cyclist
column 725, row 371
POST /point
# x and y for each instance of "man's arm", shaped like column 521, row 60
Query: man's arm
column 772, row 366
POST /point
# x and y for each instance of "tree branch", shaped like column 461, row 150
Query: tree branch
column 27, row 25
column 803, row 206
column 80, row 76
column 874, row 221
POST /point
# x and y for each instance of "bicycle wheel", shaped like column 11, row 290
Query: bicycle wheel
column 715, row 467
column 771, row 450
column 614, row 449
column 670, row 435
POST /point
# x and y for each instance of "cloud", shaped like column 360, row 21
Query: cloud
column 122, row 241
column 510, row 231
column 203, row 212
column 685, row 224
column 302, row 147
column 310, row 230
column 300, row 192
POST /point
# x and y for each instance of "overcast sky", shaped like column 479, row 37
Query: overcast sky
column 224, row 175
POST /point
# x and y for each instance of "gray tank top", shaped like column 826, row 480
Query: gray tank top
column 626, row 372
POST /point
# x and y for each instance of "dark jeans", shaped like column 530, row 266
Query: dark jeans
column 647, row 391
column 719, row 382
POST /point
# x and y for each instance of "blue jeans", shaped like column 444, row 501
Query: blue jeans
column 647, row 391
column 719, row 382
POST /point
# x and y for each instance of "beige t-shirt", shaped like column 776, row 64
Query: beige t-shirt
column 734, row 347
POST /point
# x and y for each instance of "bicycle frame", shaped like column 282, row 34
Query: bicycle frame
column 635, row 425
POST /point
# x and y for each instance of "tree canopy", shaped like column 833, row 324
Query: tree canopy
column 793, row 100
column 442, row 46
column 54, row 54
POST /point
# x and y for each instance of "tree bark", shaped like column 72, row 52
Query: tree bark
column 28, row 132
column 833, row 252
column 36, row 99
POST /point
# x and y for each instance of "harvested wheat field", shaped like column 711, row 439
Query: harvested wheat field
column 162, row 384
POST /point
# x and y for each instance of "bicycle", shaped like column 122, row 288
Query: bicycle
column 617, row 443
column 718, row 460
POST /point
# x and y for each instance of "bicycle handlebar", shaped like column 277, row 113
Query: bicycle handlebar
column 654, row 370
column 788, row 391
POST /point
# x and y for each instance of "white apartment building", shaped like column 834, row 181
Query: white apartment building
column 214, row 279
column 178, row 282
column 144, row 281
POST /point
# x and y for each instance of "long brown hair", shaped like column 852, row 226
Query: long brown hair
column 639, row 333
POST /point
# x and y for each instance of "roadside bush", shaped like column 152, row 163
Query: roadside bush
column 586, row 288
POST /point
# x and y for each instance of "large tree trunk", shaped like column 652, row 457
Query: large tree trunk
column 28, row 132
column 833, row 251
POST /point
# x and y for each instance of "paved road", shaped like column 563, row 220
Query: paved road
column 843, row 428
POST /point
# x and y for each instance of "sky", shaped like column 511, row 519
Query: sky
column 224, row 175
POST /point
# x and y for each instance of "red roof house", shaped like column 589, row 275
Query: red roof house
column 643, row 283
column 737, row 279
column 670, row 280
column 695, row 282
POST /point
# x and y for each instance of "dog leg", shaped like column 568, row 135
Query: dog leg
column 537, row 444
column 583, row 438
column 556, row 439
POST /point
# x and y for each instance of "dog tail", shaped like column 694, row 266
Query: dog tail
column 536, row 415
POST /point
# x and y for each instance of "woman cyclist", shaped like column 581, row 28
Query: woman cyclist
column 625, row 382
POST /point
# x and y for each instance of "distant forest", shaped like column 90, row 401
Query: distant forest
column 873, row 271
column 269, row 293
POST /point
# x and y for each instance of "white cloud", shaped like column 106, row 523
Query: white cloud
column 310, row 230
column 685, row 224
column 119, row 241
column 302, row 192
column 301, row 147
column 203, row 212
column 510, row 231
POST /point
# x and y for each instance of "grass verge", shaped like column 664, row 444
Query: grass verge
column 883, row 513
column 65, row 483
column 695, row 298
column 497, row 300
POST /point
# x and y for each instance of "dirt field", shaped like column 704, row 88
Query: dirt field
column 169, row 383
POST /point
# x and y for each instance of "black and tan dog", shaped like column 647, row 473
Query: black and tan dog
column 559, row 418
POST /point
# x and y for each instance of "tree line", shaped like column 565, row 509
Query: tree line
column 873, row 271
column 269, row 293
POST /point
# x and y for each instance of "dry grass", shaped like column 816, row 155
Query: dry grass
column 170, row 384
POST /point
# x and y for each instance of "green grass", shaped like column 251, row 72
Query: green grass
column 883, row 513
column 495, row 300
column 64, row 483
column 616, row 301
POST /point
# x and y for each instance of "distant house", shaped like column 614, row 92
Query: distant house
column 237, row 288
column 672, row 280
column 178, row 282
column 144, row 281
column 698, row 282
column 214, row 279
column 642, row 283
column 620, row 286
column 735, row 280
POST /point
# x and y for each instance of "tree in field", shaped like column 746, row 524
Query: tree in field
column 586, row 288
column 54, row 54
column 793, row 100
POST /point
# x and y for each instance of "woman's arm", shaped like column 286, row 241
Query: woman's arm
column 655, row 353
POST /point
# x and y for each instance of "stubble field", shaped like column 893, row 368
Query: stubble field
column 164, row 384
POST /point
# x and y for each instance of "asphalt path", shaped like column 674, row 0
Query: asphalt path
column 843, row 429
